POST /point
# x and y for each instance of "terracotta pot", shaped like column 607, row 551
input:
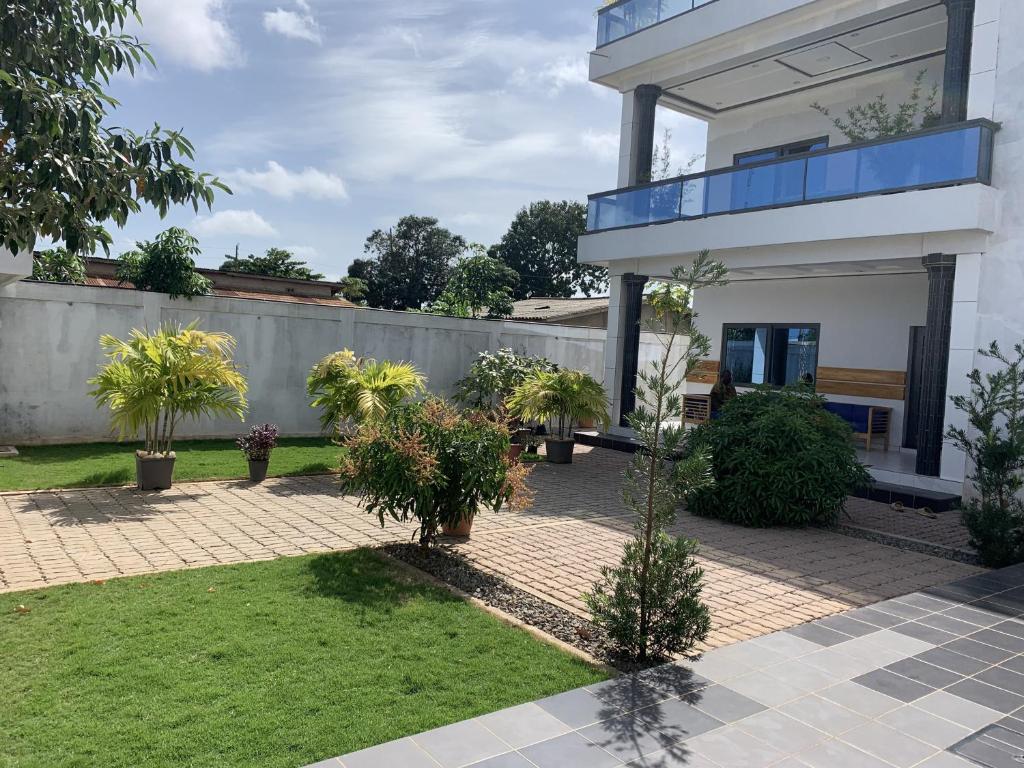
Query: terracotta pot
column 154, row 472
column 461, row 531
column 559, row 451
column 586, row 424
column 258, row 470
column 515, row 451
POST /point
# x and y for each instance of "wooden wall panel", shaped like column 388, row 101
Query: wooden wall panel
column 706, row 372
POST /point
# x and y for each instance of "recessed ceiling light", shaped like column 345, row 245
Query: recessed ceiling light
column 797, row 82
column 855, row 34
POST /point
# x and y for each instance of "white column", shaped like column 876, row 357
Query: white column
column 626, row 143
column 613, row 348
column 981, row 95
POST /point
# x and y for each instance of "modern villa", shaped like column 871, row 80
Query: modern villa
column 874, row 268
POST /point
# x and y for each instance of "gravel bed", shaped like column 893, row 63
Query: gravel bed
column 909, row 545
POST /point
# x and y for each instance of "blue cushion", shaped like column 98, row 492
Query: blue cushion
column 854, row 415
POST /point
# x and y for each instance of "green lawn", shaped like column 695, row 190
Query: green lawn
column 96, row 464
column 277, row 664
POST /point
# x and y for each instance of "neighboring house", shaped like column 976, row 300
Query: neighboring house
column 876, row 268
column 575, row 312
column 237, row 285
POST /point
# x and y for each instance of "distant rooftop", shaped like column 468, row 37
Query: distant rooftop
column 550, row 310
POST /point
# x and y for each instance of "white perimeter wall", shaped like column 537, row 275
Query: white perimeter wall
column 49, row 348
column 865, row 321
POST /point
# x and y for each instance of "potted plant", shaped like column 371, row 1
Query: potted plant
column 561, row 398
column 154, row 381
column 257, row 445
column 493, row 377
column 430, row 463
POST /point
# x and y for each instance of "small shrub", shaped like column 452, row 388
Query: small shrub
column 493, row 377
column 562, row 398
column 259, row 442
column 779, row 458
column 430, row 463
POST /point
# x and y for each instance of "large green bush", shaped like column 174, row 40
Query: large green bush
column 779, row 458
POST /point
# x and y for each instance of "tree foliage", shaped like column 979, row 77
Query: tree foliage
column 409, row 265
column 165, row 265
column 876, row 119
column 494, row 376
column 562, row 397
column 58, row 265
column 479, row 285
column 650, row 603
column 276, row 263
column 63, row 173
column 541, row 246
column 354, row 289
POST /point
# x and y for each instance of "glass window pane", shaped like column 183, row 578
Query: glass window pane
column 794, row 355
column 746, row 354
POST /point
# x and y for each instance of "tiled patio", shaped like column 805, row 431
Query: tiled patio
column 758, row 581
column 925, row 681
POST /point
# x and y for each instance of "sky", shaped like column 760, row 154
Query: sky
column 331, row 118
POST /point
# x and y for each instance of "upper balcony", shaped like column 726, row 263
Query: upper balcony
column 627, row 17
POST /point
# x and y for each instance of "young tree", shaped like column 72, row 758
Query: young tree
column 354, row 289
column 165, row 265
column 408, row 265
column 479, row 284
column 650, row 603
column 63, row 173
column 541, row 246
column 57, row 265
column 276, row 263
column 876, row 119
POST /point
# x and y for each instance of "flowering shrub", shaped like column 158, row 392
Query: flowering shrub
column 430, row 463
column 260, row 441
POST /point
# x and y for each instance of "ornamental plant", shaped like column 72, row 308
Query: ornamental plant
column 152, row 382
column 995, row 446
column 563, row 398
column 779, row 458
column 259, row 442
column 650, row 604
column 494, row 376
column 876, row 119
column 430, row 463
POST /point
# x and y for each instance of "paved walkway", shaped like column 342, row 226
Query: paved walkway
column 758, row 581
column 926, row 681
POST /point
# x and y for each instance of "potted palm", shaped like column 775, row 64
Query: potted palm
column 561, row 398
column 257, row 445
column 152, row 382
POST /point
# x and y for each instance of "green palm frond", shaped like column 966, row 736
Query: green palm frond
column 563, row 397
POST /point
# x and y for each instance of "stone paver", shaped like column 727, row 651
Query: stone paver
column 842, row 716
column 941, row 528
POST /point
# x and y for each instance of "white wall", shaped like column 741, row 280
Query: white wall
column 14, row 267
column 865, row 320
column 49, row 348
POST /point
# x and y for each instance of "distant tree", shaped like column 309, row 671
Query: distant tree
column 478, row 285
column 354, row 289
column 541, row 246
column 63, row 173
column 58, row 265
column 276, row 263
column 165, row 265
column 409, row 265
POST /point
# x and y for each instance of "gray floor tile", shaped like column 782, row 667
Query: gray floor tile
column 577, row 708
column 888, row 744
column 902, row 610
column 403, row 753
column 766, row 689
column 1000, row 640
column 837, row 662
column 878, row 618
column 924, row 726
column 880, row 654
column 677, row 719
column 808, row 679
column 730, row 747
column 848, row 626
column 626, row 693
column 958, row 710
column 898, row 641
column 1003, row 678
column 948, row 624
column 780, row 731
column 723, row 704
column 718, row 670
column 508, row 760
column 524, row 725
column 987, row 695
column 626, row 737
column 748, row 655
column 461, row 744
column 1015, row 628
column 993, row 748
column 838, row 754
column 568, row 751
column 787, row 645
column 825, row 715
column 818, row 634
column 680, row 756
column 975, row 616
column 922, row 632
column 925, row 673
column 954, row 662
column 861, row 700
column 926, row 602
column 674, row 679
column 1015, row 664
column 946, row 760
column 979, row 651
column 892, row 685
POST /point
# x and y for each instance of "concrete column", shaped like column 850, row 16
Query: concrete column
column 959, row 41
column 632, row 309
column 645, row 107
column 613, row 349
column 963, row 345
column 941, row 277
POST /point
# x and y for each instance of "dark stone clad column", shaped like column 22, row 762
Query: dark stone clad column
column 644, row 110
column 941, row 276
column 959, row 40
column 632, row 307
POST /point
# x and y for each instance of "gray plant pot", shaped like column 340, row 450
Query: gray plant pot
column 154, row 473
column 258, row 470
column 559, row 451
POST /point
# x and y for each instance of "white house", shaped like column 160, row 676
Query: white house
column 877, row 267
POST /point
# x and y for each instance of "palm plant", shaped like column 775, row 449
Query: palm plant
column 563, row 398
column 154, row 381
column 349, row 388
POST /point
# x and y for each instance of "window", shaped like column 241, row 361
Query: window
column 786, row 150
column 779, row 355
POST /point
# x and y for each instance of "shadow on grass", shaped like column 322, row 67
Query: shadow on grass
column 123, row 476
column 362, row 578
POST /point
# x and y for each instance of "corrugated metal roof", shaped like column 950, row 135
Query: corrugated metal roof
column 548, row 309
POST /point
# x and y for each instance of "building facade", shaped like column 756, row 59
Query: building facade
column 873, row 267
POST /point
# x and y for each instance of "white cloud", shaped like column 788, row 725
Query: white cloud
column 554, row 76
column 191, row 32
column 278, row 181
column 303, row 252
column 604, row 146
column 300, row 25
column 233, row 222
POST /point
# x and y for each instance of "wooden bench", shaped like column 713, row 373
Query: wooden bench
column 869, row 422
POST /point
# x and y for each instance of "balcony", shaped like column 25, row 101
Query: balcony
column 629, row 16
column 937, row 157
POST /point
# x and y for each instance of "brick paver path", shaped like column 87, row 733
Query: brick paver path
column 758, row 581
column 941, row 528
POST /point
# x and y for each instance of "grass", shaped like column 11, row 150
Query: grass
column 96, row 464
column 262, row 665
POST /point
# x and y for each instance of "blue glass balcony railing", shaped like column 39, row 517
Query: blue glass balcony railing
column 937, row 157
column 628, row 16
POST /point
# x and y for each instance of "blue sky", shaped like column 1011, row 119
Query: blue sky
column 330, row 118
